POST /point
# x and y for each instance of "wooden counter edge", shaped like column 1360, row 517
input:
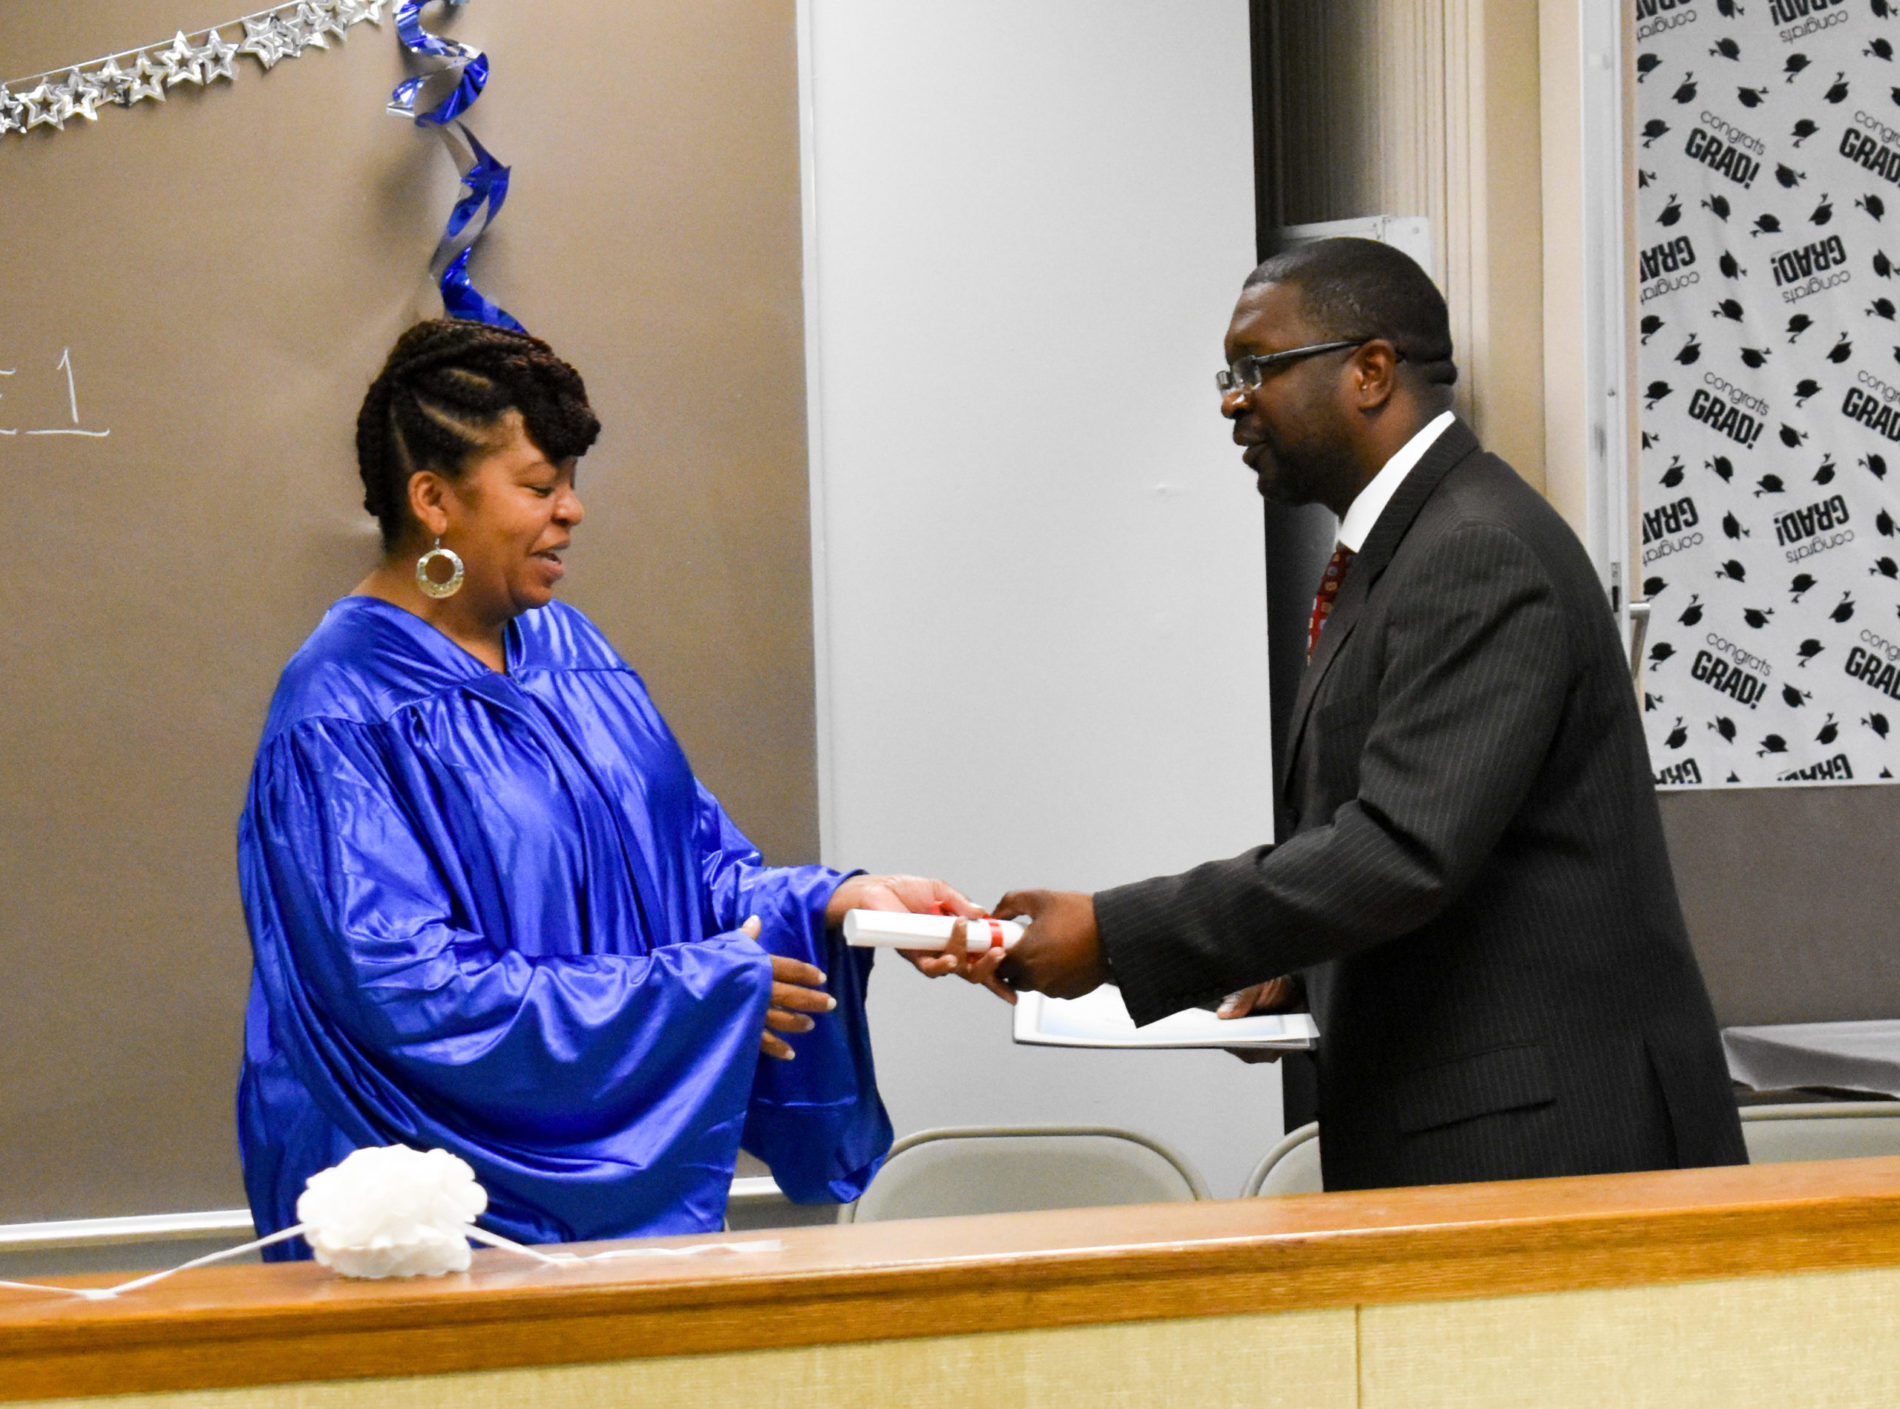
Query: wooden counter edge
column 1152, row 1263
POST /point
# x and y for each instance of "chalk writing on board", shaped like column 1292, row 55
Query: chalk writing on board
column 65, row 365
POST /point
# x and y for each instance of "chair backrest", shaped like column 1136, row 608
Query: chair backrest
column 1812, row 1130
column 985, row 1169
column 1291, row 1167
column 1821, row 1130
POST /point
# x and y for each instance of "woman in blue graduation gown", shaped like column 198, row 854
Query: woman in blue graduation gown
column 491, row 908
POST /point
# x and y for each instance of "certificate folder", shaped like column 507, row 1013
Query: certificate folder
column 1100, row 1019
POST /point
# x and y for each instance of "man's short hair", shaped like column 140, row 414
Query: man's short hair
column 1354, row 288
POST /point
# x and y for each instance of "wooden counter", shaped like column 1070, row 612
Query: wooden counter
column 831, row 1286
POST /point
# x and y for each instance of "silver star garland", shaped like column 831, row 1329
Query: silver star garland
column 216, row 56
column 53, row 98
column 267, row 40
column 182, row 63
column 320, row 23
column 147, row 82
column 83, row 94
column 113, row 82
column 42, row 109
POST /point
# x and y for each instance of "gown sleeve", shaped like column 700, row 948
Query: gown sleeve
column 816, row 1120
column 552, row 1075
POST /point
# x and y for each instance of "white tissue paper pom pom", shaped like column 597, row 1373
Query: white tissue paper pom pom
column 390, row 1211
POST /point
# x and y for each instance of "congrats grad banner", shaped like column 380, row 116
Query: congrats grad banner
column 1769, row 231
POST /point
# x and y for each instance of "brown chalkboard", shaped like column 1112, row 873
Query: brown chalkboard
column 221, row 275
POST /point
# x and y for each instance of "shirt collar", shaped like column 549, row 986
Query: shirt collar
column 1356, row 527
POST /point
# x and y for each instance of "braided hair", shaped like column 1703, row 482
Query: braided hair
column 439, row 397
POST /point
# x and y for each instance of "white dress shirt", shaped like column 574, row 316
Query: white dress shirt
column 1365, row 510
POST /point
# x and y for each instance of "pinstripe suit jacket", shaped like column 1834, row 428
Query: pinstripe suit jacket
column 1474, row 882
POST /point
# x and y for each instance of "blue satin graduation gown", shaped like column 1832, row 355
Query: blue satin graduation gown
column 496, row 914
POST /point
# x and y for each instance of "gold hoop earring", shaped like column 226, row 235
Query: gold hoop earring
column 429, row 584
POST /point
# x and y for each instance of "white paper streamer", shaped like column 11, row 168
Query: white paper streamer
column 390, row 1211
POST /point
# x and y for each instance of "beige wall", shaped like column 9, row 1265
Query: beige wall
column 1561, row 188
column 1431, row 107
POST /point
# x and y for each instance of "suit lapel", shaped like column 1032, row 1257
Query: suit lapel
column 1368, row 565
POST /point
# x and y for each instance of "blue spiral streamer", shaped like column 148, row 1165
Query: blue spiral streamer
column 484, row 179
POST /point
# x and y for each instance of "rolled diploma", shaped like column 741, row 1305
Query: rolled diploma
column 897, row 930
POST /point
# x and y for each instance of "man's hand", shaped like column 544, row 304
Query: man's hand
column 921, row 895
column 1061, row 953
column 1274, row 996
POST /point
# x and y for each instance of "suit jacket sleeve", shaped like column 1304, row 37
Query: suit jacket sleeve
column 1474, row 678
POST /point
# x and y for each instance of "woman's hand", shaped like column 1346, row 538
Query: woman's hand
column 921, row 895
column 797, row 989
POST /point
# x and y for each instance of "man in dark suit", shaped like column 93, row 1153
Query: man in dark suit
column 1473, row 889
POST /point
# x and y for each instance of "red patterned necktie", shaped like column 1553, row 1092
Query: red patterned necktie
column 1327, row 594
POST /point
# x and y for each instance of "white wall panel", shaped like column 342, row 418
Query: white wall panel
column 1040, row 593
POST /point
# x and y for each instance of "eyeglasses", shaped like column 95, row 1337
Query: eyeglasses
column 1246, row 373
